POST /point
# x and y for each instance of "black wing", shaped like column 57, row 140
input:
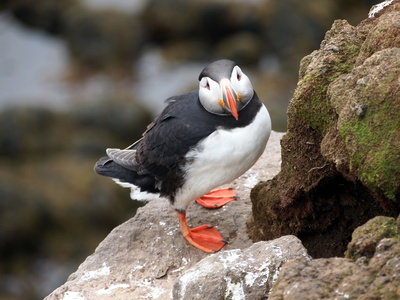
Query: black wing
column 176, row 131
column 154, row 163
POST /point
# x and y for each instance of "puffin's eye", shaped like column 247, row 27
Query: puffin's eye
column 238, row 73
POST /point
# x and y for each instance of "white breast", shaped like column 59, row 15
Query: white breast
column 222, row 157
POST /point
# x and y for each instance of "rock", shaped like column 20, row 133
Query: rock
column 366, row 238
column 377, row 277
column 341, row 152
column 143, row 257
column 239, row 274
column 368, row 115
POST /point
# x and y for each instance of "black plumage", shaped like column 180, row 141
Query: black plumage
column 218, row 70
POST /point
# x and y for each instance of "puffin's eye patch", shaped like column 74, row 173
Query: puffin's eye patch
column 238, row 73
column 204, row 83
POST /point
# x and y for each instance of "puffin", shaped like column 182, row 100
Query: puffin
column 201, row 140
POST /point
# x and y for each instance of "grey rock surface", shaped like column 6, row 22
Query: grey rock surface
column 372, row 274
column 143, row 257
column 239, row 274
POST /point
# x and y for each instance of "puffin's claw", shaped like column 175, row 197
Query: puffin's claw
column 217, row 198
column 204, row 237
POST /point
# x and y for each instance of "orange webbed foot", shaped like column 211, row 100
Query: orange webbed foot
column 217, row 198
column 205, row 237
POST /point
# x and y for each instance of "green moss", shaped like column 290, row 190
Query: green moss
column 373, row 139
column 373, row 142
column 314, row 107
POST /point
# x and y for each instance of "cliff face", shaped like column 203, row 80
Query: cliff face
column 341, row 154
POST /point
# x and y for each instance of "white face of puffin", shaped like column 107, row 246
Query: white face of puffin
column 228, row 96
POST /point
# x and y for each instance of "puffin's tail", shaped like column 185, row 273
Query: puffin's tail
column 125, row 177
column 99, row 166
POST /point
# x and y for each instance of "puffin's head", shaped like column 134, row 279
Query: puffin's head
column 224, row 88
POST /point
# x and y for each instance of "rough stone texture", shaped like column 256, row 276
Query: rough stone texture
column 376, row 276
column 340, row 156
column 365, row 238
column 239, row 274
column 142, row 258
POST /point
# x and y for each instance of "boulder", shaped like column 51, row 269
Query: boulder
column 366, row 238
column 239, row 274
column 374, row 276
column 340, row 156
column 143, row 257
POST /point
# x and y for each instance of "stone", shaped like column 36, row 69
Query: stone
column 365, row 238
column 341, row 151
column 239, row 274
column 375, row 276
column 376, row 166
column 143, row 257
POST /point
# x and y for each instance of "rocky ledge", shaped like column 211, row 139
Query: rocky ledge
column 147, row 257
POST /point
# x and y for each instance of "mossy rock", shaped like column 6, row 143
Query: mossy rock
column 365, row 238
column 341, row 154
column 368, row 106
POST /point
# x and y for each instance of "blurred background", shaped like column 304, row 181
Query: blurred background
column 79, row 76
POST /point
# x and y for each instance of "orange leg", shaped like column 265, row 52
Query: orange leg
column 204, row 237
column 217, row 198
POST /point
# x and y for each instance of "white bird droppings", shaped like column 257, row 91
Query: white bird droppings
column 73, row 296
column 103, row 271
column 377, row 8
column 111, row 288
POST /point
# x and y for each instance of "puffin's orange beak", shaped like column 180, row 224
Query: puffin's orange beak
column 229, row 97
